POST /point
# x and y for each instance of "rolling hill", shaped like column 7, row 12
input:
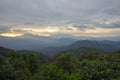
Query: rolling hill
column 106, row 46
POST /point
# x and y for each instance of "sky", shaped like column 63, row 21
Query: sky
column 92, row 18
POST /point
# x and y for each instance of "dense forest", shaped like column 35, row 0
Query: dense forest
column 30, row 65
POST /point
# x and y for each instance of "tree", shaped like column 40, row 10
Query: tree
column 52, row 72
column 67, row 62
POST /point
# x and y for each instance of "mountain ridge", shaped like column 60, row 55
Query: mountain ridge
column 106, row 46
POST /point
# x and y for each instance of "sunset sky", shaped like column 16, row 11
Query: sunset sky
column 93, row 18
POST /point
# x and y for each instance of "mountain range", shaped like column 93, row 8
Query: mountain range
column 105, row 46
column 51, row 46
column 36, row 43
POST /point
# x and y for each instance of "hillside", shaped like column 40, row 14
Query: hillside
column 5, row 52
column 106, row 46
column 78, row 52
column 69, row 65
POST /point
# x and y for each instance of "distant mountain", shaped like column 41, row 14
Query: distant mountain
column 66, row 41
column 115, row 38
column 34, row 43
column 107, row 38
column 106, row 46
column 5, row 52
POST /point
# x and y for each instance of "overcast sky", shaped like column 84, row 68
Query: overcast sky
column 93, row 18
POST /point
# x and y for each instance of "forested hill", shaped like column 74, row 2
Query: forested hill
column 30, row 65
column 5, row 52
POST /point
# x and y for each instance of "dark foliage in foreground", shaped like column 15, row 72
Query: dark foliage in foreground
column 27, row 65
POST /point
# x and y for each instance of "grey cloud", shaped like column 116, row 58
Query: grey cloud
column 84, row 27
column 81, row 13
column 112, row 11
column 53, row 11
column 93, row 25
column 110, row 25
column 28, row 23
column 4, row 28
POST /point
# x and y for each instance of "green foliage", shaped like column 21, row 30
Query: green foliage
column 33, row 63
column 7, row 71
column 52, row 72
column 19, row 66
column 95, row 70
column 28, row 65
column 67, row 62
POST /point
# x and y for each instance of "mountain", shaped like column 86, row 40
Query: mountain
column 5, row 52
column 34, row 43
column 98, row 38
column 105, row 45
column 108, row 46
column 78, row 52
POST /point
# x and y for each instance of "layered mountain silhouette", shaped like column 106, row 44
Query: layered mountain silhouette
column 50, row 46
column 36, row 43
column 106, row 46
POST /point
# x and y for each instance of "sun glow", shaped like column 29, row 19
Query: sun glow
column 11, row 34
column 53, row 30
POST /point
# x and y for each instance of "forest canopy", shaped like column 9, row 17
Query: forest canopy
column 30, row 65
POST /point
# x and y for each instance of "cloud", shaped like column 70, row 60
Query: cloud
column 99, row 32
column 51, row 11
column 84, row 26
column 28, row 23
column 72, row 30
column 3, row 28
column 49, row 17
column 112, row 11
column 110, row 23
column 11, row 34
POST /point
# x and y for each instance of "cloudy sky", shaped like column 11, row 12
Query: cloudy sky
column 93, row 18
